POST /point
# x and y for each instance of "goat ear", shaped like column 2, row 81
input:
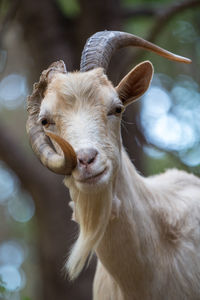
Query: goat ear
column 135, row 83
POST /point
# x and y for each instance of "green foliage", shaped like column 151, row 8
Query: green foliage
column 139, row 26
column 155, row 166
column 69, row 8
column 142, row 2
column 3, row 290
column 4, row 6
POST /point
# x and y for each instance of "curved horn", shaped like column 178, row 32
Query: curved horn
column 40, row 142
column 100, row 47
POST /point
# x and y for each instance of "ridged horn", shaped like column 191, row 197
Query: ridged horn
column 40, row 142
column 100, row 47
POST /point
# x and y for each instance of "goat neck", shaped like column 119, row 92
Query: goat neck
column 128, row 233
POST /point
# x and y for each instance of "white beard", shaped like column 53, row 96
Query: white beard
column 92, row 212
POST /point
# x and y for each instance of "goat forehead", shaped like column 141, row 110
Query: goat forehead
column 78, row 92
column 88, row 86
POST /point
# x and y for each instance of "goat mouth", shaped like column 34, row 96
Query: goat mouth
column 93, row 178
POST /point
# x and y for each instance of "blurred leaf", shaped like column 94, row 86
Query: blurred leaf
column 142, row 2
column 70, row 7
column 4, row 7
column 2, row 288
column 155, row 166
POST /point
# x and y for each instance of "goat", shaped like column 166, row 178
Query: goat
column 144, row 231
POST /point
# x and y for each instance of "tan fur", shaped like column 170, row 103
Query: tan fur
column 144, row 231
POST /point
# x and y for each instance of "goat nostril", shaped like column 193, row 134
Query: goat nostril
column 81, row 161
column 86, row 156
column 91, row 160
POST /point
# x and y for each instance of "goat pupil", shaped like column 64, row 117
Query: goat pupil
column 118, row 110
column 44, row 122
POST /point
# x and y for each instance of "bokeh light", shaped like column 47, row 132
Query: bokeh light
column 11, row 252
column 153, row 152
column 170, row 117
column 21, row 207
column 17, row 206
column 10, row 277
column 8, row 183
column 13, row 91
column 191, row 158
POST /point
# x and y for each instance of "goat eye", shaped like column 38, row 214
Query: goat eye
column 115, row 110
column 118, row 110
column 45, row 122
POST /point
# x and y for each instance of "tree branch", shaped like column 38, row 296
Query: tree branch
column 153, row 10
column 48, row 33
column 162, row 19
column 8, row 17
column 165, row 15
column 139, row 11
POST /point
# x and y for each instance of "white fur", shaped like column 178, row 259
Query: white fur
column 152, row 250
column 145, row 231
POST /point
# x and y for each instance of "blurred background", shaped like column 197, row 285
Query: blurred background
column 160, row 131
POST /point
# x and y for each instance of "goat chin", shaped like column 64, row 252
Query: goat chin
column 92, row 212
